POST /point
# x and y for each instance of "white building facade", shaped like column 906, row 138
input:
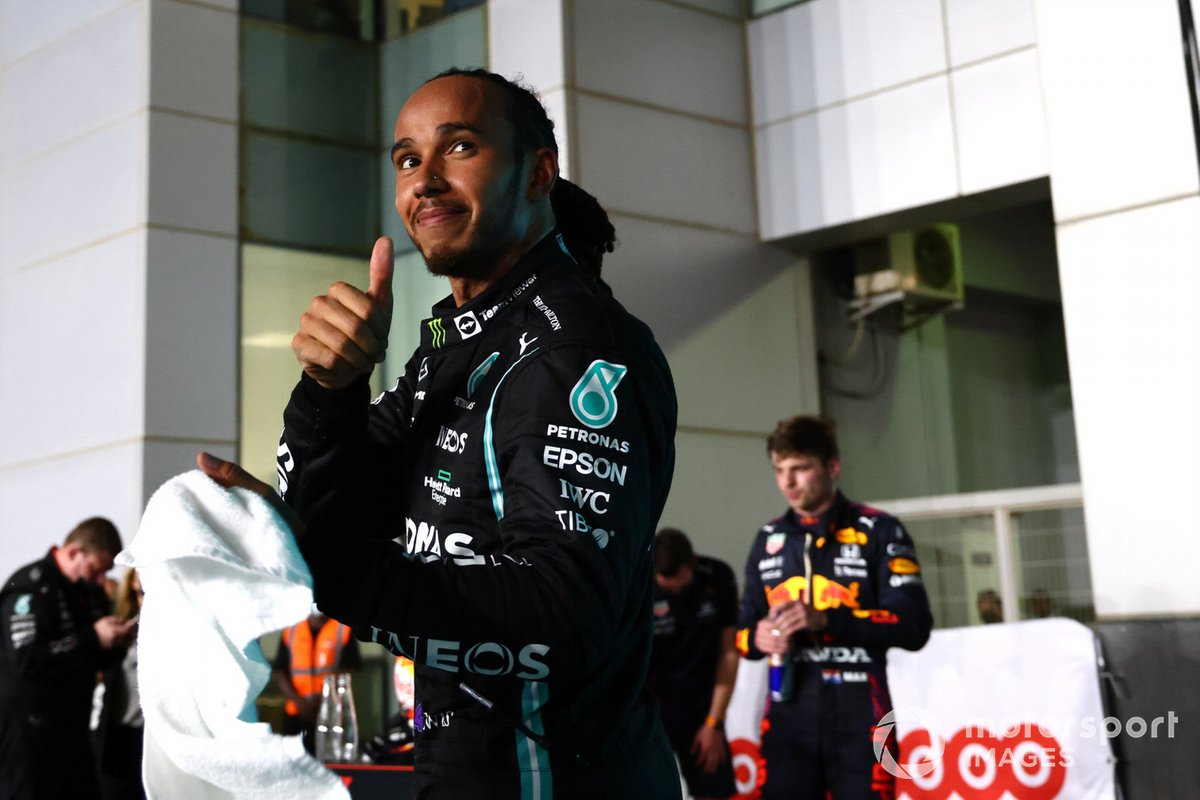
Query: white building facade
column 156, row 249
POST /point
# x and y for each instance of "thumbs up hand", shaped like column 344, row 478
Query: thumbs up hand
column 343, row 334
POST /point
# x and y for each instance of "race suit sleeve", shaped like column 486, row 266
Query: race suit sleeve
column 576, row 508
column 753, row 608
column 337, row 449
column 37, row 647
column 903, row 618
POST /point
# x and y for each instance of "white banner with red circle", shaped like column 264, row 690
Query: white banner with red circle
column 1002, row 712
column 990, row 712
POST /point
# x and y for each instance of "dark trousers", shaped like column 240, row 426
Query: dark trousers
column 45, row 758
column 807, row 764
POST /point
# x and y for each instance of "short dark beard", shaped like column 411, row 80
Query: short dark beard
column 477, row 260
column 473, row 263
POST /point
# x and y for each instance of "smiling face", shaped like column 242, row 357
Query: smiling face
column 469, row 205
column 805, row 481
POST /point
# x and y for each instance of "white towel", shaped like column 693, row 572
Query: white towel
column 220, row 568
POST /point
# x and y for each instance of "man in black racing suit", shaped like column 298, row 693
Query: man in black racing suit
column 491, row 515
column 56, row 634
column 831, row 619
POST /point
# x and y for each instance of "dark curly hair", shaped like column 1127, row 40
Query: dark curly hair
column 587, row 231
column 805, row 436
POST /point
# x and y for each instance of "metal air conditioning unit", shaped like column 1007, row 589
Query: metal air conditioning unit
column 921, row 270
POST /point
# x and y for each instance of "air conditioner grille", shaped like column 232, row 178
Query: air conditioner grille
column 934, row 258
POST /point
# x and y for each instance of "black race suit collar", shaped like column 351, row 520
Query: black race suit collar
column 825, row 522
column 451, row 324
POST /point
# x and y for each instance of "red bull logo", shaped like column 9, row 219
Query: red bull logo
column 831, row 594
column 851, row 536
column 826, row 593
column 791, row 589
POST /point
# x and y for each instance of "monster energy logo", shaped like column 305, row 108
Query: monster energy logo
column 439, row 333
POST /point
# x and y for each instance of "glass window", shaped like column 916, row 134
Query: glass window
column 1053, row 577
column 277, row 285
column 309, row 194
column 959, row 565
column 316, row 87
column 405, row 16
column 346, row 18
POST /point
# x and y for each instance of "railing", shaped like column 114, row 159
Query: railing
column 1002, row 506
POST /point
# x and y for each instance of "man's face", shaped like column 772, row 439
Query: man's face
column 677, row 582
column 459, row 188
column 89, row 566
column 990, row 608
column 805, row 482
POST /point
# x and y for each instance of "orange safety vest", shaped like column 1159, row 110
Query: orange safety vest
column 312, row 661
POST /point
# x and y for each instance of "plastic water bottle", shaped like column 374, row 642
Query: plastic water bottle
column 337, row 723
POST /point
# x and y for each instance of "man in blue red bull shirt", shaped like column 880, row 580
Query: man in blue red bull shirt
column 830, row 585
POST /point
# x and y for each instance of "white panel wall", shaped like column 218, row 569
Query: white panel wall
column 1124, row 174
column 871, row 156
column 192, row 252
column 118, row 255
column 27, row 27
column 663, row 55
column 1117, row 109
column 95, row 75
column 865, row 107
column 999, row 123
column 979, row 29
column 736, row 377
column 40, row 501
column 525, row 37
column 1129, row 284
column 825, row 52
column 73, row 174
column 71, row 339
column 674, row 168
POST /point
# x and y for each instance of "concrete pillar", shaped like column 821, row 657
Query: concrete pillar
column 1124, row 178
column 118, row 256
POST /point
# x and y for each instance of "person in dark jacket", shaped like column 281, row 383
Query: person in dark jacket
column 830, row 585
column 491, row 515
column 56, row 634
column 695, row 662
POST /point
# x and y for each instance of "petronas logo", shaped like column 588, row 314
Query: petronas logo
column 479, row 372
column 439, row 333
column 594, row 398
